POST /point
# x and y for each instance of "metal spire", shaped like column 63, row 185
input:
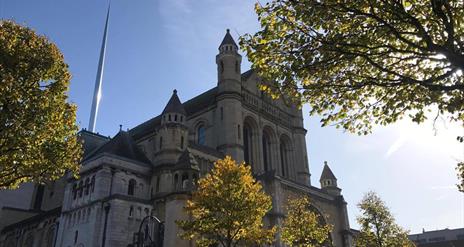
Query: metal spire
column 99, row 79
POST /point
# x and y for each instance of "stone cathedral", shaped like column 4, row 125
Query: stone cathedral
column 152, row 168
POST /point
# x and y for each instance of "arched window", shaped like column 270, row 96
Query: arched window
column 247, row 143
column 266, row 151
column 74, row 191
column 169, row 117
column 92, row 184
column 201, row 138
column 158, row 183
column 184, row 181
column 176, row 181
column 194, row 179
column 283, row 159
column 87, row 186
column 131, row 211
column 161, row 143
column 131, row 189
column 182, row 142
column 237, row 67
column 81, row 188
column 175, row 118
column 222, row 66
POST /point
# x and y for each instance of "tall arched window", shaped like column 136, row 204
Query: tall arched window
column 87, row 186
column 74, row 191
column 92, row 184
column 131, row 188
column 158, row 183
column 80, row 188
column 283, row 159
column 266, row 152
column 201, row 138
column 247, row 143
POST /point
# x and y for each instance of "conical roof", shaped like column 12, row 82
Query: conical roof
column 174, row 105
column 228, row 40
column 327, row 173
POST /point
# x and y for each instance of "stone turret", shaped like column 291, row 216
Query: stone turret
column 229, row 105
column 329, row 181
column 228, row 65
column 173, row 132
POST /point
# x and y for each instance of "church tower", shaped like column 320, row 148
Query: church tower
column 329, row 181
column 173, row 132
column 229, row 105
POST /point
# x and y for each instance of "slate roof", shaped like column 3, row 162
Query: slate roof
column 174, row 105
column 247, row 74
column 327, row 173
column 191, row 106
column 228, row 40
column 122, row 145
column 91, row 141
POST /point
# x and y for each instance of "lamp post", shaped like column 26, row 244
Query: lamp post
column 150, row 234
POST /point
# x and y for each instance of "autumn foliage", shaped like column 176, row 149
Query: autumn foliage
column 378, row 227
column 227, row 208
column 302, row 226
column 38, row 128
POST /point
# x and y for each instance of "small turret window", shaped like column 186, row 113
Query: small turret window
column 169, row 117
column 176, row 181
column 161, row 143
column 237, row 67
column 185, row 181
column 131, row 188
column 182, row 142
column 222, row 66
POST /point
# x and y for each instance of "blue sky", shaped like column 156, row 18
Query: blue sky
column 155, row 46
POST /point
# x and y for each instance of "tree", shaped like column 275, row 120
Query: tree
column 228, row 208
column 378, row 227
column 302, row 227
column 359, row 63
column 460, row 170
column 38, row 128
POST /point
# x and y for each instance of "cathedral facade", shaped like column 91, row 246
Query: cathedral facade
column 152, row 168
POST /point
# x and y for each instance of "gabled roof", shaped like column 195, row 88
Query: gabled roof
column 121, row 145
column 327, row 173
column 174, row 105
column 228, row 40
